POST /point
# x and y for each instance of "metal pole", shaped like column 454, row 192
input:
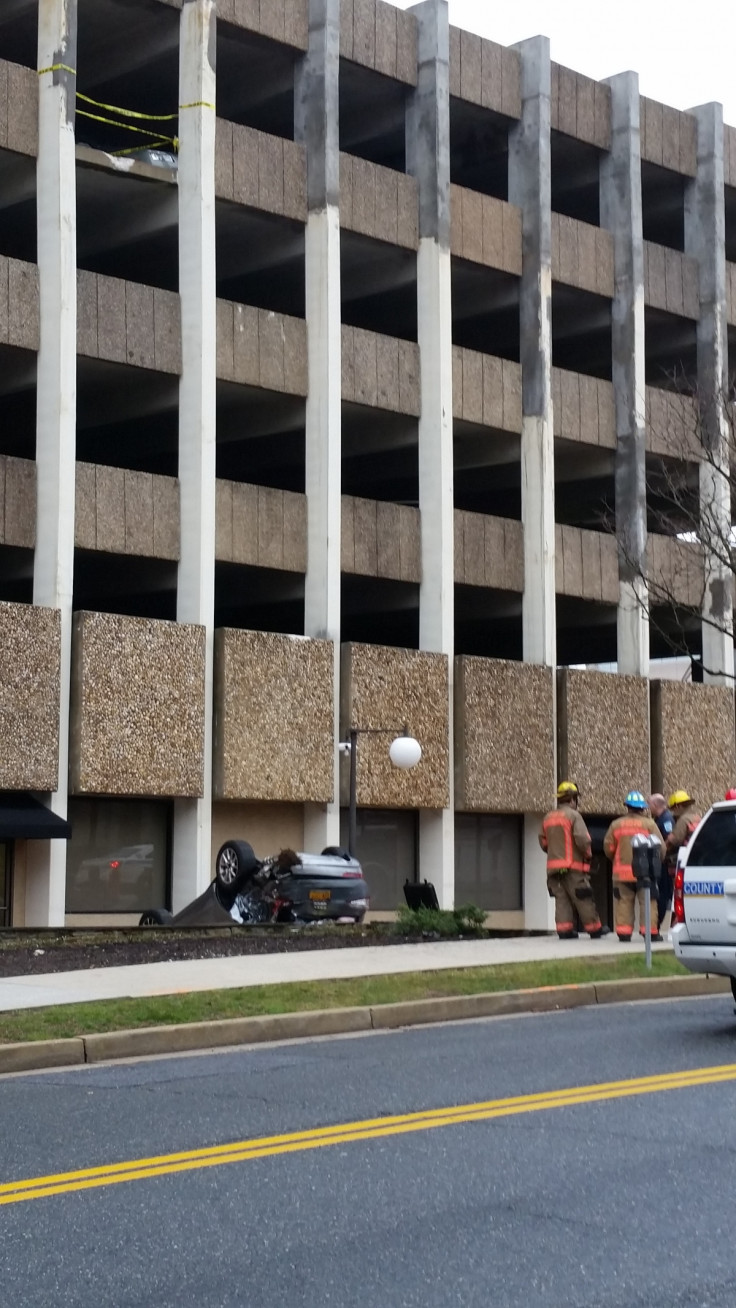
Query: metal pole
column 353, row 812
column 648, row 924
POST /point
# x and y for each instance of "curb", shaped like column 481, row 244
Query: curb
column 196, row 1036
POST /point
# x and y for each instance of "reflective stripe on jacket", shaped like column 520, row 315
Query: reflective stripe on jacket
column 565, row 839
column 617, row 843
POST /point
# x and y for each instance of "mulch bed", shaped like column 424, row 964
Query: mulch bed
column 25, row 953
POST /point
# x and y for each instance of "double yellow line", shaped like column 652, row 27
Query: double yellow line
column 241, row 1151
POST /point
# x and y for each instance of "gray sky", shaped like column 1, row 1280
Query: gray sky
column 684, row 53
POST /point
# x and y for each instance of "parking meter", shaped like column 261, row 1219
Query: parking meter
column 646, row 862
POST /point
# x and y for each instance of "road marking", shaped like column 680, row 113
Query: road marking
column 139, row 1169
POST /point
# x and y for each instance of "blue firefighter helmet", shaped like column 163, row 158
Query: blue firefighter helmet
column 635, row 800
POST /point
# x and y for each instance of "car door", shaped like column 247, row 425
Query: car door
column 709, row 889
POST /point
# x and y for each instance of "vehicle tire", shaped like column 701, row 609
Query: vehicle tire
column 234, row 863
column 733, row 986
column 336, row 851
column 154, row 917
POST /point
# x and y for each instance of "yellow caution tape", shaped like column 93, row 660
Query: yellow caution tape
column 198, row 104
column 152, row 145
column 127, row 113
column 57, row 68
column 123, row 127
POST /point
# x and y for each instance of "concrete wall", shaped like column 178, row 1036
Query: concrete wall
column 489, row 551
column 586, row 564
column 18, row 304
column 282, row 20
column 485, row 73
column 675, row 570
column 257, row 347
column 379, row 539
column 485, row 230
column 273, row 717
column 582, row 255
column 267, row 827
column 30, row 667
column 693, row 740
column 603, row 736
column 583, row 408
column 668, row 137
column 378, row 202
column 731, row 292
column 125, row 322
column 580, row 107
column 119, row 511
column 670, row 281
column 260, row 171
column 18, row 108
column 504, row 736
column 729, row 155
column 17, row 502
column 260, row 526
column 673, row 426
column 380, row 371
column 391, row 688
column 137, row 714
column 486, row 390
column 377, row 35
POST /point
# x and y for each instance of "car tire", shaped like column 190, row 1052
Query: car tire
column 234, row 863
column 154, row 917
column 733, row 986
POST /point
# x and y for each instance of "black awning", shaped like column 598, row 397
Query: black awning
column 24, row 818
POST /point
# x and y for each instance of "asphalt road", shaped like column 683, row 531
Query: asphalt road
column 617, row 1201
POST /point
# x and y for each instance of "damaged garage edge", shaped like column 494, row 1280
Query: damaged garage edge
column 147, row 1042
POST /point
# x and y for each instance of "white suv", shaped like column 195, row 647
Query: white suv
column 704, row 908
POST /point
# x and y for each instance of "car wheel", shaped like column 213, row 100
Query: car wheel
column 156, row 917
column 733, row 986
column 234, row 862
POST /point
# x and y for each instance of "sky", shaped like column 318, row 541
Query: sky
column 684, row 53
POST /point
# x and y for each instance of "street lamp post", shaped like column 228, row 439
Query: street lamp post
column 404, row 752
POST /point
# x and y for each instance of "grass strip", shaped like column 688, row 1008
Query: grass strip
column 66, row 1020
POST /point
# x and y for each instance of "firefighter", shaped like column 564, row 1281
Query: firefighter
column 617, row 847
column 565, row 840
column 686, row 820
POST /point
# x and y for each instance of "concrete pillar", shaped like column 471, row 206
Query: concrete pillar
column 53, row 571
column 705, row 241
column 197, row 406
column 620, row 192
column 530, row 188
column 428, row 159
column 316, row 120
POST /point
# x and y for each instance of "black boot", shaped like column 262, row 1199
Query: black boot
column 567, row 935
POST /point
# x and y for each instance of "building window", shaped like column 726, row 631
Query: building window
column 488, row 861
column 117, row 857
column 387, row 850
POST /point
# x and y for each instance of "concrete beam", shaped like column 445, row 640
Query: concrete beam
column 621, row 213
column 53, row 573
column 705, row 241
column 197, row 406
column 316, row 121
column 428, row 159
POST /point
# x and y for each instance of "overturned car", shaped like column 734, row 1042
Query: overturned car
column 288, row 887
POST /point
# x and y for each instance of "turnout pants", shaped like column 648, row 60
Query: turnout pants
column 625, row 894
column 572, row 893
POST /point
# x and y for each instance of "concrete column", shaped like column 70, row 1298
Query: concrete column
column 530, row 188
column 197, row 405
column 428, row 159
column 705, row 240
column 53, row 572
column 316, row 120
column 620, row 192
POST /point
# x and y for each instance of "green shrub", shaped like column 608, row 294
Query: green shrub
column 441, row 923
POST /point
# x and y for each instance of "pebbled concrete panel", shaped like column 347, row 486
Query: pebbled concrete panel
column 273, row 717
column 693, row 740
column 603, row 736
column 137, row 718
column 30, row 671
column 504, row 736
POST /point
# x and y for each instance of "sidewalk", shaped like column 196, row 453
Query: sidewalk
column 149, row 979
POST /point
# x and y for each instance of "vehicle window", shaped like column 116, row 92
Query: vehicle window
column 714, row 843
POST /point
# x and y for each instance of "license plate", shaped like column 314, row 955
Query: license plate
column 320, row 894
